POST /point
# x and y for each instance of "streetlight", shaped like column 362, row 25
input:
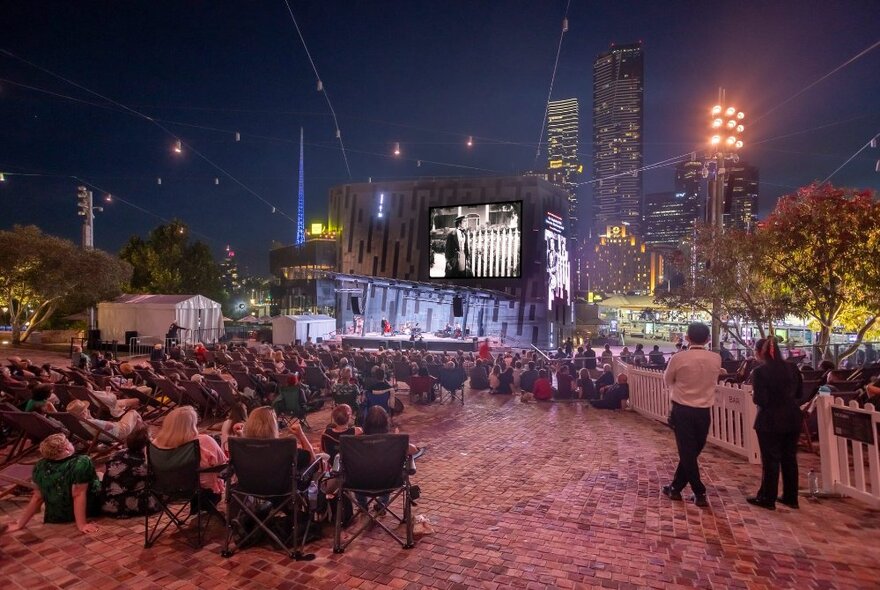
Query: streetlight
column 727, row 129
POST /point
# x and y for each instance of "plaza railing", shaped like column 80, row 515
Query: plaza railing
column 849, row 446
column 733, row 414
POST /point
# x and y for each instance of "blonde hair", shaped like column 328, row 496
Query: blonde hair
column 261, row 424
column 180, row 426
column 54, row 447
column 345, row 373
column 278, row 356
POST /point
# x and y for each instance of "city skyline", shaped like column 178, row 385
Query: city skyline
column 248, row 74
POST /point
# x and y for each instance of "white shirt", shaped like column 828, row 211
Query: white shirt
column 692, row 375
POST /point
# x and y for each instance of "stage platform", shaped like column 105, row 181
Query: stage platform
column 431, row 343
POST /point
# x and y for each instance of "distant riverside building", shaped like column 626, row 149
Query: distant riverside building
column 562, row 152
column 618, row 124
column 299, row 271
column 621, row 263
column 741, row 197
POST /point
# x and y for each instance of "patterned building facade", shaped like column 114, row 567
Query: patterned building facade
column 384, row 230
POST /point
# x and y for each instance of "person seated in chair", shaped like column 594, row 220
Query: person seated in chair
column 263, row 423
column 341, row 425
column 424, row 383
column 655, row 357
column 614, row 395
column 66, row 483
column 119, row 429
column 179, row 427
column 378, row 422
column 125, row 478
column 375, row 394
column 479, row 377
column 233, row 425
column 40, row 401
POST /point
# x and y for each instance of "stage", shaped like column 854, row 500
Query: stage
column 428, row 342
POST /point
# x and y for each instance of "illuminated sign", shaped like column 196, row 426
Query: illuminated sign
column 317, row 228
column 558, row 264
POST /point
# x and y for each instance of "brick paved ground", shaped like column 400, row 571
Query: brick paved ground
column 526, row 496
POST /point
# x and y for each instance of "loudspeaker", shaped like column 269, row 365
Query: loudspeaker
column 356, row 305
column 457, row 307
column 94, row 340
column 129, row 334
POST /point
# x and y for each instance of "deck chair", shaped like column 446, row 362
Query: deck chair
column 452, row 382
column 87, row 436
column 193, row 394
column 16, row 475
column 173, row 481
column 263, row 488
column 372, row 466
column 97, row 407
column 32, row 428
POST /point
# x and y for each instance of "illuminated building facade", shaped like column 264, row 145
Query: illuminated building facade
column 621, row 263
column 562, row 151
column 229, row 272
column 301, row 286
column 618, row 124
column 670, row 216
column 741, row 197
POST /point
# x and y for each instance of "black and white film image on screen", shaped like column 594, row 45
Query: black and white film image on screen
column 558, row 268
column 476, row 241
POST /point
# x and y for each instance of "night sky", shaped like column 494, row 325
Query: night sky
column 427, row 74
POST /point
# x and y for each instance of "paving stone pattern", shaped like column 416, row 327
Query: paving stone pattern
column 521, row 496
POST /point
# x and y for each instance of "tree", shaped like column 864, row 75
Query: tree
column 825, row 248
column 167, row 262
column 39, row 272
column 733, row 267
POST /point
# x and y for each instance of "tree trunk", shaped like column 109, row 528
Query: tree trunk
column 16, row 333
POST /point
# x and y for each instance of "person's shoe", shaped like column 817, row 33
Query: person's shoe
column 761, row 502
column 671, row 493
column 700, row 500
column 793, row 505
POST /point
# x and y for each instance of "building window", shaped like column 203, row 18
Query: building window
column 532, row 312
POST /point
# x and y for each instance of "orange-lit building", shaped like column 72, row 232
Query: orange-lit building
column 621, row 263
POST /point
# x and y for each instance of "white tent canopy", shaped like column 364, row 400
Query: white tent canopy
column 287, row 329
column 151, row 315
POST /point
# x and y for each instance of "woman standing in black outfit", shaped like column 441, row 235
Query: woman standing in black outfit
column 776, row 387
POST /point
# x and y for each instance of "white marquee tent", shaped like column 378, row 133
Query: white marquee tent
column 287, row 329
column 151, row 315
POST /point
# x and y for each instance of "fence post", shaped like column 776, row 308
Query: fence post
column 827, row 444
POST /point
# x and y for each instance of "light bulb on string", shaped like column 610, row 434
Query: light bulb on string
column 470, row 141
column 216, row 181
column 178, row 147
column 397, row 148
column 320, row 86
column 237, row 136
column 108, row 198
column 159, row 180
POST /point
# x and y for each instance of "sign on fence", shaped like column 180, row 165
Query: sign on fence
column 852, row 425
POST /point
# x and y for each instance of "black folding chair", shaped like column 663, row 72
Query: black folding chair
column 263, row 471
column 452, row 382
column 173, row 478
column 373, row 466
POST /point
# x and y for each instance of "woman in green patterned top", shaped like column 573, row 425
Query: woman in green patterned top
column 66, row 483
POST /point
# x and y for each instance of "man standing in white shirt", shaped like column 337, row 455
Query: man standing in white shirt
column 691, row 377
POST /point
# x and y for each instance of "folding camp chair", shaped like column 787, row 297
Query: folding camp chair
column 371, row 467
column 88, row 436
column 32, row 428
column 422, row 389
column 260, row 487
column 452, row 382
column 292, row 402
column 173, row 479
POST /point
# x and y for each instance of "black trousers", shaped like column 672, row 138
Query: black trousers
column 691, row 429
column 778, row 450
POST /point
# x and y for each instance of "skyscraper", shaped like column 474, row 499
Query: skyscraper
column 741, row 196
column 670, row 216
column 301, row 198
column 562, row 152
column 618, row 99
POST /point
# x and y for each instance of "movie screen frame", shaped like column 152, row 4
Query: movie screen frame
column 494, row 245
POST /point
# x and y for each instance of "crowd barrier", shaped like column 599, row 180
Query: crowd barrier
column 849, row 446
column 733, row 414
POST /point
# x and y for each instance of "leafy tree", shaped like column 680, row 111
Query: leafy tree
column 39, row 273
column 167, row 262
column 733, row 267
column 825, row 248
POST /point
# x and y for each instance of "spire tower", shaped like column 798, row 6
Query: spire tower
column 300, row 206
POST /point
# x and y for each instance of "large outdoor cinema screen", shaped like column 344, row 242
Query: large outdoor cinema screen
column 476, row 241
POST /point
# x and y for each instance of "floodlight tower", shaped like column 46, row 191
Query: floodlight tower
column 86, row 210
column 727, row 128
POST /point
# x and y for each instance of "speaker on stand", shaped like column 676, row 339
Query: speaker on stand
column 356, row 305
column 457, row 307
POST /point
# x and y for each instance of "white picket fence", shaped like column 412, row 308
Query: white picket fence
column 849, row 444
column 733, row 414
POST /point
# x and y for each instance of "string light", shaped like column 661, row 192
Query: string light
column 470, row 141
column 237, row 136
column 2, row 177
column 216, row 181
column 108, row 198
column 178, row 147
column 397, row 148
